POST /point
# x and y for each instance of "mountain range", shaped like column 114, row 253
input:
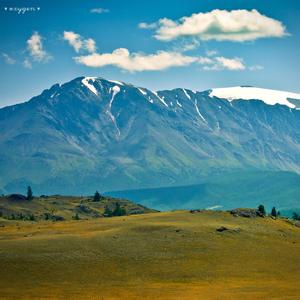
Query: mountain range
column 96, row 134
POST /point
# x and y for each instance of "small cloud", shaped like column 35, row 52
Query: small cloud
column 79, row 43
column 144, row 25
column 202, row 60
column 90, row 45
column 219, row 25
column 136, row 62
column 191, row 45
column 256, row 68
column 8, row 59
column 222, row 63
column 99, row 10
column 211, row 52
column 185, row 45
column 35, row 48
column 27, row 64
column 234, row 64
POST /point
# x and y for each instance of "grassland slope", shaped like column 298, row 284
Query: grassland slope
column 169, row 255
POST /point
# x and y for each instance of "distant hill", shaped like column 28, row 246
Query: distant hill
column 59, row 208
column 237, row 189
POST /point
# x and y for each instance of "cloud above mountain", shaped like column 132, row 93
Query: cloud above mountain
column 78, row 42
column 220, row 25
column 36, row 48
column 136, row 62
column 220, row 63
column 161, row 60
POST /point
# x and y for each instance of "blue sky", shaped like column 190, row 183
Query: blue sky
column 244, row 43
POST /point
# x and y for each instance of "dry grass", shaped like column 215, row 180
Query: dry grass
column 176, row 255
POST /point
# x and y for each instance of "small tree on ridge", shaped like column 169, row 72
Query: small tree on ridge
column 96, row 197
column 29, row 193
column 262, row 210
column 274, row 212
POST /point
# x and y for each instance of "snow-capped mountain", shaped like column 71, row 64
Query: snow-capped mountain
column 271, row 97
column 91, row 133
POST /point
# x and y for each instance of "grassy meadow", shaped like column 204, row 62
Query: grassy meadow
column 169, row 255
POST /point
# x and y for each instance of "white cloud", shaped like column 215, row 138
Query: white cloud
column 99, row 10
column 220, row 25
column 256, row 68
column 144, row 25
column 211, row 52
column 136, row 62
column 161, row 60
column 188, row 45
column 90, row 45
column 78, row 42
column 222, row 63
column 27, row 64
column 234, row 64
column 36, row 50
column 8, row 59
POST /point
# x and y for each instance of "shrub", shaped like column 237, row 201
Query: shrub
column 107, row 212
column 76, row 217
column 31, row 217
column 119, row 211
column 296, row 216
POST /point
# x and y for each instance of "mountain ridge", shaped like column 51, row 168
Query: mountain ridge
column 212, row 91
column 70, row 139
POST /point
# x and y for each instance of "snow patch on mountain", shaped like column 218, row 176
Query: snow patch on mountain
column 116, row 82
column 198, row 112
column 178, row 103
column 115, row 91
column 160, row 99
column 270, row 97
column 86, row 82
column 187, row 95
column 142, row 91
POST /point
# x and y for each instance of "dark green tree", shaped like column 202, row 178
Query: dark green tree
column 29, row 193
column 76, row 217
column 274, row 212
column 278, row 213
column 262, row 210
column 31, row 217
column 97, row 197
column 296, row 216
column 119, row 211
column 107, row 212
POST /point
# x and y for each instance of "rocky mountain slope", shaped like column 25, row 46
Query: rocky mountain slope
column 92, row 133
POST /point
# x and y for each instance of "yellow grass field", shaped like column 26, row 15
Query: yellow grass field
column 174, row 255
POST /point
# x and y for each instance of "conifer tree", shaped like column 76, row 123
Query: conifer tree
column 274, row 212
column 29, row 193
column 262, row 210
column 96, row 197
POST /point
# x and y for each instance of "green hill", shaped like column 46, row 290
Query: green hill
column 59, row 208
